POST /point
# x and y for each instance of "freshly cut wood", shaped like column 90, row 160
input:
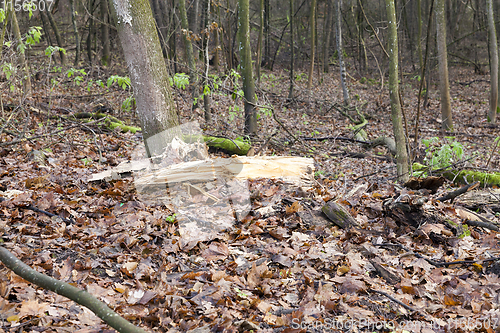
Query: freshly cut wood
column 297, row 170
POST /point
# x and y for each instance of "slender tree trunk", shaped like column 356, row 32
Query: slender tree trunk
column 157, row 14
column 206, row 40
column 172, row 32
column 340, row 51
column 292, row 47
column 58, row 36
column 22, row 58
column 419, row 36
column 194, row 16
column 267, row 39
column 396, row 114
column 327, row 37
column 193, row 78
column 492, row 115
column 259, row 42
column 88, row 42
column 75, row 31
column 106, row 54
column 246, row 66
column 444, row 86
column 217, row 41
column 312, row 23
column 148, row 73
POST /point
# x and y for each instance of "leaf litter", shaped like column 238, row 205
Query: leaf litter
column 282, row 267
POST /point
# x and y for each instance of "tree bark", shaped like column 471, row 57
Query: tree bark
column 193, row 78
column 312, row 23
column 259, row 42
column 340, row 52
column 64, row 289
column 246, row 66
column 58, row 36
column 22, row 58
column 105, row 33
column 396, row 114
column 75, row 31
column 492, row 115
column 444, row 85
column 148, row 73
column 292, row 47
column 327, row 36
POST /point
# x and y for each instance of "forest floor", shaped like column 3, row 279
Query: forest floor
column 284, row 268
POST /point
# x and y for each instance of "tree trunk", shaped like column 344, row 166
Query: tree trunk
column 148, row 73
column 419, row 36
column 88, row 42
column 75, row 31
column 312, row 24
column 492, row 115
column 340, row 51
column 105, row 33
column 396, row 114
column 246, row 66
column 194, row 16
column 193, row 78
column 206, row 40
column 292, row 47
column 327, row 36
column 444, row 86
column 259, row 42
column 58, row 36
column 217, row 41
column 267, row 39
column 22, row 58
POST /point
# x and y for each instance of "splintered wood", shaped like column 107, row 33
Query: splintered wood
column 295, row 170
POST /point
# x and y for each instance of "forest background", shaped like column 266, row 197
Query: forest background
column 373, row 91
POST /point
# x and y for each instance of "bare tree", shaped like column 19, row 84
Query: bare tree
column 396, row 114
column 492, row 115
column 246, row 66
column 340, row 51
column 147, row 70
column 444, row 85
column 312, row 23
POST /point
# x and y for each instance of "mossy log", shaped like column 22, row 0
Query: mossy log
column 237, row 147
column 339, row 215
column 110, row 123
column 465, row 176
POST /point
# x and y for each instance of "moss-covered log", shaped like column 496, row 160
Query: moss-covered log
column 231, row 146
column 339, row 215
column 465, row 176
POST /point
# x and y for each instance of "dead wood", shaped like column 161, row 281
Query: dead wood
column 64, row 289
column 295, row 170
column 339, row 215
column 452, row 195
column 431, row 183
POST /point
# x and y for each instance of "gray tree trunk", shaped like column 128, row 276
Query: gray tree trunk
column 75, row 31
column 312, row 24
column 396, row 114
column 492, row 115
column 246, row 66
column 444, row 85
column 193, row 77
column 148, row 73
column 340, row 51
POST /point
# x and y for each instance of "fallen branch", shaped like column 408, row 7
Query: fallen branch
column 437, row 263
column 64, row 289
column 452, row 195
column 38, row 210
